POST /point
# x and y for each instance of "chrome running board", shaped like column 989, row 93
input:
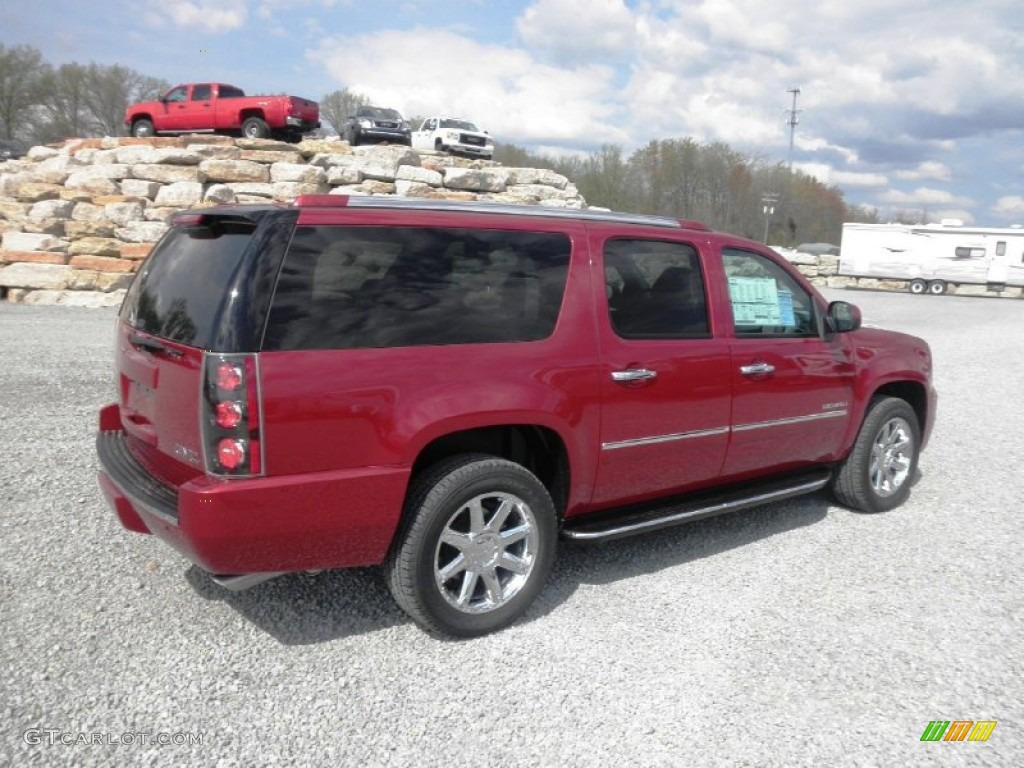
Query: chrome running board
column 616, row 524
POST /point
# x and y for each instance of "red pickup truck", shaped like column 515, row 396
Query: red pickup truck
column 444, row 388
column 222, row 108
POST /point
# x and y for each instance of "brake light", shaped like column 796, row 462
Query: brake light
column 231, row 415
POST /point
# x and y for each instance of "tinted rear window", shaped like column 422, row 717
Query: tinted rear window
column 352, row 287
column 179, row 293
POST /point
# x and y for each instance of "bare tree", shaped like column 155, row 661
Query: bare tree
column 110, row 89
column 21, row 69
column 63, row 112
column 337, row 105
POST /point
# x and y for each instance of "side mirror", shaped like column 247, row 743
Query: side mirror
column 843, row 317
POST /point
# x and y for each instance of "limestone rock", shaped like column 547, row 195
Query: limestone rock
column 180, row 193
column 122, row 213
column 36, row 257
column 283, row 146
column 219, row 193
column 77, row 229
column 343, row 175
column 140, row 188
column 36, row 276
column 88, row 212
column 310, row 147
column 536, row 176
column 95, row 246
column 252, row 189
column 270, row 156
column 308, row 174
column 141, row 231
column 25, row 241
column 101, row 263
column 56, row 169
column 419, row 174
column 41, row 153
column 474, row 180
column 216, row 151
column 51, row 209
column 168, row 174
column 286, row 191
column 33, row 191
column 235, row 170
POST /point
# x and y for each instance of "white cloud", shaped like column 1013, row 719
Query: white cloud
column 214, row 16
column 929, row 169
column 923, row 196
column 568, row 32
column 504, row 89
column 1009, row 207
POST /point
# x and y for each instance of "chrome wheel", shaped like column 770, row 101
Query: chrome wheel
column 486, row 552
column 892, row 456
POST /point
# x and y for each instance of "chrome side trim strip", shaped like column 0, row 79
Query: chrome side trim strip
column 790, row 420
column 708, row 511
column 663, row 438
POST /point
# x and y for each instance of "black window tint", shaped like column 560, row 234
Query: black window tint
column 655, row 290
column 180, row 291
column 765, row 299
column 230, row 92
column 200, row 93
column 353, row 287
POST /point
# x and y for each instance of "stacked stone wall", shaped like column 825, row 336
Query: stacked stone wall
column 77, row 219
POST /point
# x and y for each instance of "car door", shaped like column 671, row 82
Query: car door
column 175, row 106
column 665, row 379
column 792, row 384
column 423, row 138
column 199, row 109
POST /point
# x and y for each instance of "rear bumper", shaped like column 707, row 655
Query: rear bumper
column 317, row 521
column 293, row 121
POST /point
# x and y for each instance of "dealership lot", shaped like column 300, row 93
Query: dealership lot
column 794, row 634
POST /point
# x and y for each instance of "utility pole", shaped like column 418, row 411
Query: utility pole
column 792, row 121
column 768, row 202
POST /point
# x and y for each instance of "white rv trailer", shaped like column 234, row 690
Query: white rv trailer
column 932, row 256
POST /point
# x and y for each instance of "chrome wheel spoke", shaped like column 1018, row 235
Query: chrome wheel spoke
column 514, row 564
column 500, row 515
column 468, row 587
column 455, row 539
column 456, row 566
column 492, row 585
column 476, row 516
column 514, row 535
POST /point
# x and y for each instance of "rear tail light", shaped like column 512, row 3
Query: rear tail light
column 230, row 416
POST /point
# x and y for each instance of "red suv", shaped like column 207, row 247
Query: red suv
column 445, row 388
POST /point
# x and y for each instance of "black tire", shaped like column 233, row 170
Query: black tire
column 353, row 137
column 918, row 286
column 937, row 287
column 439, row 146
column 255, row 128
column 143, row 128
column 879, row 471
column 484, row 595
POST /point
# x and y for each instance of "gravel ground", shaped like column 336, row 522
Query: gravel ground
column 794, row 634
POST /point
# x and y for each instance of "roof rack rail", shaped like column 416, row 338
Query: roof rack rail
column 515, row 209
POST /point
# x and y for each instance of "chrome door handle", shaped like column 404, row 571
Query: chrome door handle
column 634, row 374
column 755, row 369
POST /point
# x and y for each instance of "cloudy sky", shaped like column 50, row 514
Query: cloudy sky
column 906, row 105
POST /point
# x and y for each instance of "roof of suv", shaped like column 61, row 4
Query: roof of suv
column 510, row 209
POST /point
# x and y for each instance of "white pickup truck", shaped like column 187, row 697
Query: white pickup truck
column 454, row 135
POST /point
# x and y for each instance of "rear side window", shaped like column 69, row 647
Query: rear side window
column 179, row 292
column 358, row 287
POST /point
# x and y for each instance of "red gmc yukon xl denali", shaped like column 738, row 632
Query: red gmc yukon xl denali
column 446, row 388
column 223, row 108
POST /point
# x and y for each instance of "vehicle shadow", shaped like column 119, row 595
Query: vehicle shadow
column 309, row 608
